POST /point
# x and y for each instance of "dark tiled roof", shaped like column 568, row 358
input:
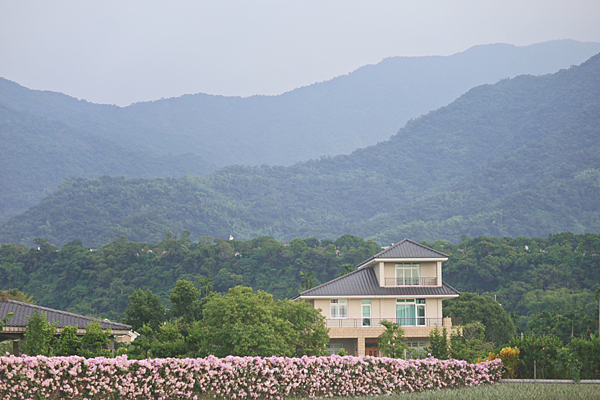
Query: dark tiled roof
column 363, row 282
column 407, row 249
column 23, row 310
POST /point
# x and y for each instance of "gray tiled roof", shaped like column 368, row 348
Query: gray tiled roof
column 23, row 310
column 363, row 282
column 407, row 249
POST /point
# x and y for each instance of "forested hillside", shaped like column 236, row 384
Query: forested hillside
column 328, row 118
column 37, row 153
column 518, row 158
column 528, row 275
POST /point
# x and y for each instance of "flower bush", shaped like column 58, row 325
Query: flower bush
column 232, row 377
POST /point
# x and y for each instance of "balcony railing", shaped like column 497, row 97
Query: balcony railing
column 392, row 282
column 376, row 322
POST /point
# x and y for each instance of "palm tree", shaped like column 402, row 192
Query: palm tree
column 347, row 269
column 307, row 280
column 207, row 286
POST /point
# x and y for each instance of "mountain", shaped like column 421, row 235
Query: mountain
column 328, row 118
column 197, row 133
column 37, row 153
column 517, row 158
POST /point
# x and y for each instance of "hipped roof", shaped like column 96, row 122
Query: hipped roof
column 23, row 310
column 363, row 282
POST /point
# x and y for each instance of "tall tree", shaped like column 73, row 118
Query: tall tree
column 184, row 299
column 247, row 323
column 40, row 336
column 470, row 307
column 145, row 308
column 391, row 341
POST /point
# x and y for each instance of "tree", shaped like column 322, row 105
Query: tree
column 206, row 287
column 307, row 279
column 471, row 307
column 246, row 323
column 309, row 334
column 140, row 348
column 184, row 299
column 168, row 342
column 17, row 295
column 467, row 343
column 438, row 343
column 4, row 320
column 391, row 340
column 145, row 308
column 347, row 269
column 68, row 342
column 597, row 297
column 94, row 341
column 40, row 336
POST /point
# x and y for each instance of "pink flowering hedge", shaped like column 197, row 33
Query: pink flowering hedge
column 232, row 377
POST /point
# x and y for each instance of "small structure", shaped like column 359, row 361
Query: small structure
column 17, row 325
column 402, row 283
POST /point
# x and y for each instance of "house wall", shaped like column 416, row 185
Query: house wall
column 428, row 270
column 380, row 308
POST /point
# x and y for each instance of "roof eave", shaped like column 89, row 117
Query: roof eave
column 372, row 262
column 373, row 296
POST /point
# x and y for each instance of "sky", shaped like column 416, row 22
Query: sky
column 121, row 52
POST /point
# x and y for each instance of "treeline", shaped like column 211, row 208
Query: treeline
column 539, row 279
column 548, row 283
column 98, row 282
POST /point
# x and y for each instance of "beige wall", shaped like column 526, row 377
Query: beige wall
column 323, row 305
column 380, row 308
column 428, row 270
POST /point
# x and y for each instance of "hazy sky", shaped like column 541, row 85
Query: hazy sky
column 126, row 51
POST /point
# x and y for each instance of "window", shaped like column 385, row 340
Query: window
column 366, row 312
column 408, row 274
column 410, row 312
column 339, row 308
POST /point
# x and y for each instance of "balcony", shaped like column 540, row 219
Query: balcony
column 394, row 282
column 376, row 322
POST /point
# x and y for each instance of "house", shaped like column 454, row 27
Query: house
column 17, row 325
column 402, row 284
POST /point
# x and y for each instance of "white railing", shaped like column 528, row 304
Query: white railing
column 376, row 322
column 392, row 282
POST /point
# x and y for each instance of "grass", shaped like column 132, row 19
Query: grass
column 525, row 391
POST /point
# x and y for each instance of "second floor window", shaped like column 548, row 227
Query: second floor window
column 339, row 308
column 410, row 312
column 408, row 274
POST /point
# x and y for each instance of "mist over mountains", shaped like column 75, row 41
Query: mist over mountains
column 48, row 136
column 520, row 157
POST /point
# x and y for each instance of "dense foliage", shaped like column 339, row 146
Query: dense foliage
column 518, row 158
column 233, row 377
column 548, row 283
column 37, row 153
column 580, row 359
column 98, row 282
column 534, row 277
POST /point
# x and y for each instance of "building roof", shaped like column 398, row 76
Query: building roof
column 23, row 310
column 406, row 249
column 363, row 282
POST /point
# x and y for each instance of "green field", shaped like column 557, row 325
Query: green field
column 505, row 391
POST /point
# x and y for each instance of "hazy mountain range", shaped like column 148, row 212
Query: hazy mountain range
column 519, row 157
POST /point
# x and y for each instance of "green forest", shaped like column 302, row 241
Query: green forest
column 517, row 158
column 548, row 284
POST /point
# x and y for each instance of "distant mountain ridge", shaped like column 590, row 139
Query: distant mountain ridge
column 517, row 158
column 334, row 117
column 198, row 133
